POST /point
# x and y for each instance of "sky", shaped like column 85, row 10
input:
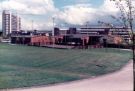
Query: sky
column 40, row 13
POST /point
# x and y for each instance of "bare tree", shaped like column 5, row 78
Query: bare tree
column 127, row 19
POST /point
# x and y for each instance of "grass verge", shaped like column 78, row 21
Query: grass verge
column 25, row 66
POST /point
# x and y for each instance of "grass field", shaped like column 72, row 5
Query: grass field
column 25, row 66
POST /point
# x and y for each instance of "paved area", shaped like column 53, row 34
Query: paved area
column 118, row 81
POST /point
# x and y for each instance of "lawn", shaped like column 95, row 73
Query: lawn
column 25, row 66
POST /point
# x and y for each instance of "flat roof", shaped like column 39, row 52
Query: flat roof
column 103, row 28
column 84, row 35
column 28, row 36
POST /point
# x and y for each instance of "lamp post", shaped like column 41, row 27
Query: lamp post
column 87, row 26
column 53, row 39
column 32, row 24
column 66, row 36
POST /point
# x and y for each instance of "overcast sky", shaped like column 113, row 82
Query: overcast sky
column 65, row 12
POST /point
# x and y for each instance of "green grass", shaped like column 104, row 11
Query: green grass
column 25, row 66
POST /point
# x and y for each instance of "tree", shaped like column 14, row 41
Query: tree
column 127, row 19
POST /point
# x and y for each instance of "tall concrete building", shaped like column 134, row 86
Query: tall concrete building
column 10, row 22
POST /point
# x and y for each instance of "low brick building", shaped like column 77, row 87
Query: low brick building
column 38, row 40
column 41, row 40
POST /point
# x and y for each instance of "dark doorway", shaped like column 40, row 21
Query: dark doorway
column 93, row 40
